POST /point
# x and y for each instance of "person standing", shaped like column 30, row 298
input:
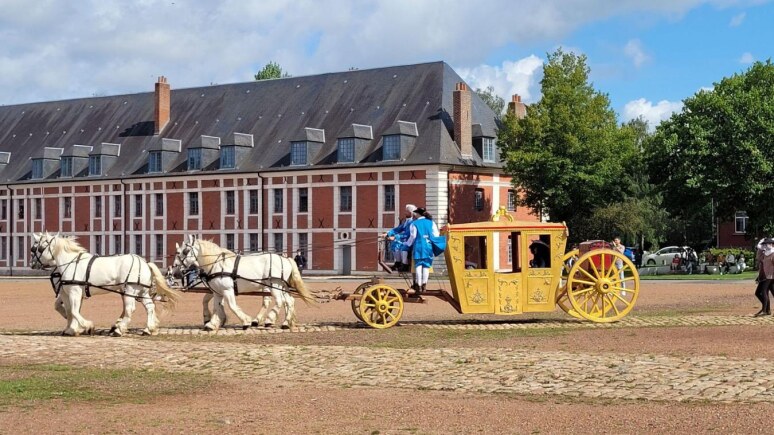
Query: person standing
column 300, row 260
column 618, row 246
column 422, row 235
column 765, row 259
column 399, row 235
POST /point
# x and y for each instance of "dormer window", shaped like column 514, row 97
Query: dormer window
column 488, row 149
column 95, row 165
column 346, row 150
column 67, row 167
column 391, row 147
column 154, row 161
column 37, row 168
column 194, row 159
column 298, row 153
column 227, row 157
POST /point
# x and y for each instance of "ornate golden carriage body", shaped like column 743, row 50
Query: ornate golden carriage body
column 506, row 267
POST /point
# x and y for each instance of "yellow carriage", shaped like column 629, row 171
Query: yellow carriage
column 507, row 267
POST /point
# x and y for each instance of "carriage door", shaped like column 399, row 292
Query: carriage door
column 537, row 259
column 507, row 277
column 476, row 296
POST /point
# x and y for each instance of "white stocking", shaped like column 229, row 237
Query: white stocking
column 404, row 257
column 425, row 275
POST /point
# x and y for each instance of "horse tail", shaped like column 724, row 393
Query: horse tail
column 296, row 282
column 170, row 295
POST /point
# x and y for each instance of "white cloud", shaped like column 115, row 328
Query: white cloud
column 747, row 58
column 654, row 114
column 68, row 49
column 635, row 52
column 737, row 20
column 512, row 77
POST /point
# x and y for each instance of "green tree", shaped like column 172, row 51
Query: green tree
column 494, row 101
column 272, row 70
column 720, row 149
column 568, row 156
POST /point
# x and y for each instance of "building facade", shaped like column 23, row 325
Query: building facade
column 321, row 164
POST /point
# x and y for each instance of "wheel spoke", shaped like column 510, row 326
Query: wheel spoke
column 585, row 272
column 589, row 283
column 368, row 305
column 612, row 302
column 583, row 290
column 622, row 299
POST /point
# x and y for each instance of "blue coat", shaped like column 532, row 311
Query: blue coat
column 401, row 234
column 422, row 244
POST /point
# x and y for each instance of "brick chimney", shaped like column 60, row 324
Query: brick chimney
column 161, row 100
column 462, row 119
column 517, row 107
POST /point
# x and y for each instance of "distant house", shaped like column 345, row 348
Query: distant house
column 733, row 234
column 320, row 163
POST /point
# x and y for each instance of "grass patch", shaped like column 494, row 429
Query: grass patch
column 24, row 385
column 702, row 277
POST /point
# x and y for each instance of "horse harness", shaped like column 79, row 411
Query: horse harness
column 234, row 275
column 85, row 282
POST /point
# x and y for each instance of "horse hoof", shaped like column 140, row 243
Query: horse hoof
column 90, row 331
column 254, row 324
column 208, row 328
column 268, row 325
column 146, row 333
column 116, row 333
column 245, row 327
column 112, row 329
column 285, row 327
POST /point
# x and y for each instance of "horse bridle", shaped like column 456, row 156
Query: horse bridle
column 38, row 249
column 183, row 254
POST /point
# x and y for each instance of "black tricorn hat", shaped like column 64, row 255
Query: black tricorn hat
column 768, row 241
column 420, row 211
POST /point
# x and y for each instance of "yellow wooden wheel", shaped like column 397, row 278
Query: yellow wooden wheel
column 356, row 301
column 561, row 295
column 381, row 306
column 603, row 285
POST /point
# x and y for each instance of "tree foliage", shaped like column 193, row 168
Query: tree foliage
column 494, row 101
column 720, row 148
column 272, row 70
column 568, row 156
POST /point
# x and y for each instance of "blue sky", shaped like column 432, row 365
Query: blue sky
column 647, row 55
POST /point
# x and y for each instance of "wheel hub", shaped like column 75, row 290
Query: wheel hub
column 604, row 286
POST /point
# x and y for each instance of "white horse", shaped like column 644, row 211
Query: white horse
column 254, row 273
column 76, row 274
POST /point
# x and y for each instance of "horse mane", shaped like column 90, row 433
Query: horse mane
column 208, row 248
column 69, row 245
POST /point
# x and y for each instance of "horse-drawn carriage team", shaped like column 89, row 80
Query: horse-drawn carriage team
column 77, row 274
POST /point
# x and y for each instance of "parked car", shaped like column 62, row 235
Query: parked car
column 664, row 256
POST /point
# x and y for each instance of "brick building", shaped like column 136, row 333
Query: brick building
column 319, row 163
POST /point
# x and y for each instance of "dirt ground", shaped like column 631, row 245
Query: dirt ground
column 263, row 406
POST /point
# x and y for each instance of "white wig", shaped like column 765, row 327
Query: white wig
column 410, row 208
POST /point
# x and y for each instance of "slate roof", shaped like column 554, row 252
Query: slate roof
column 273, row 111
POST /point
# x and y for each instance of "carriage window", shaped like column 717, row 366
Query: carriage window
column 540, row 251
column 475, row 252
column 506, row 251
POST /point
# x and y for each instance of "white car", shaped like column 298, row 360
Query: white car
column 664, row 256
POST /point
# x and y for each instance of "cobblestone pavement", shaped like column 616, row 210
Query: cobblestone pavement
column 609, row 376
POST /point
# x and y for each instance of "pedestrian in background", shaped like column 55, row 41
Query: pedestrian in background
column 765, row 259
